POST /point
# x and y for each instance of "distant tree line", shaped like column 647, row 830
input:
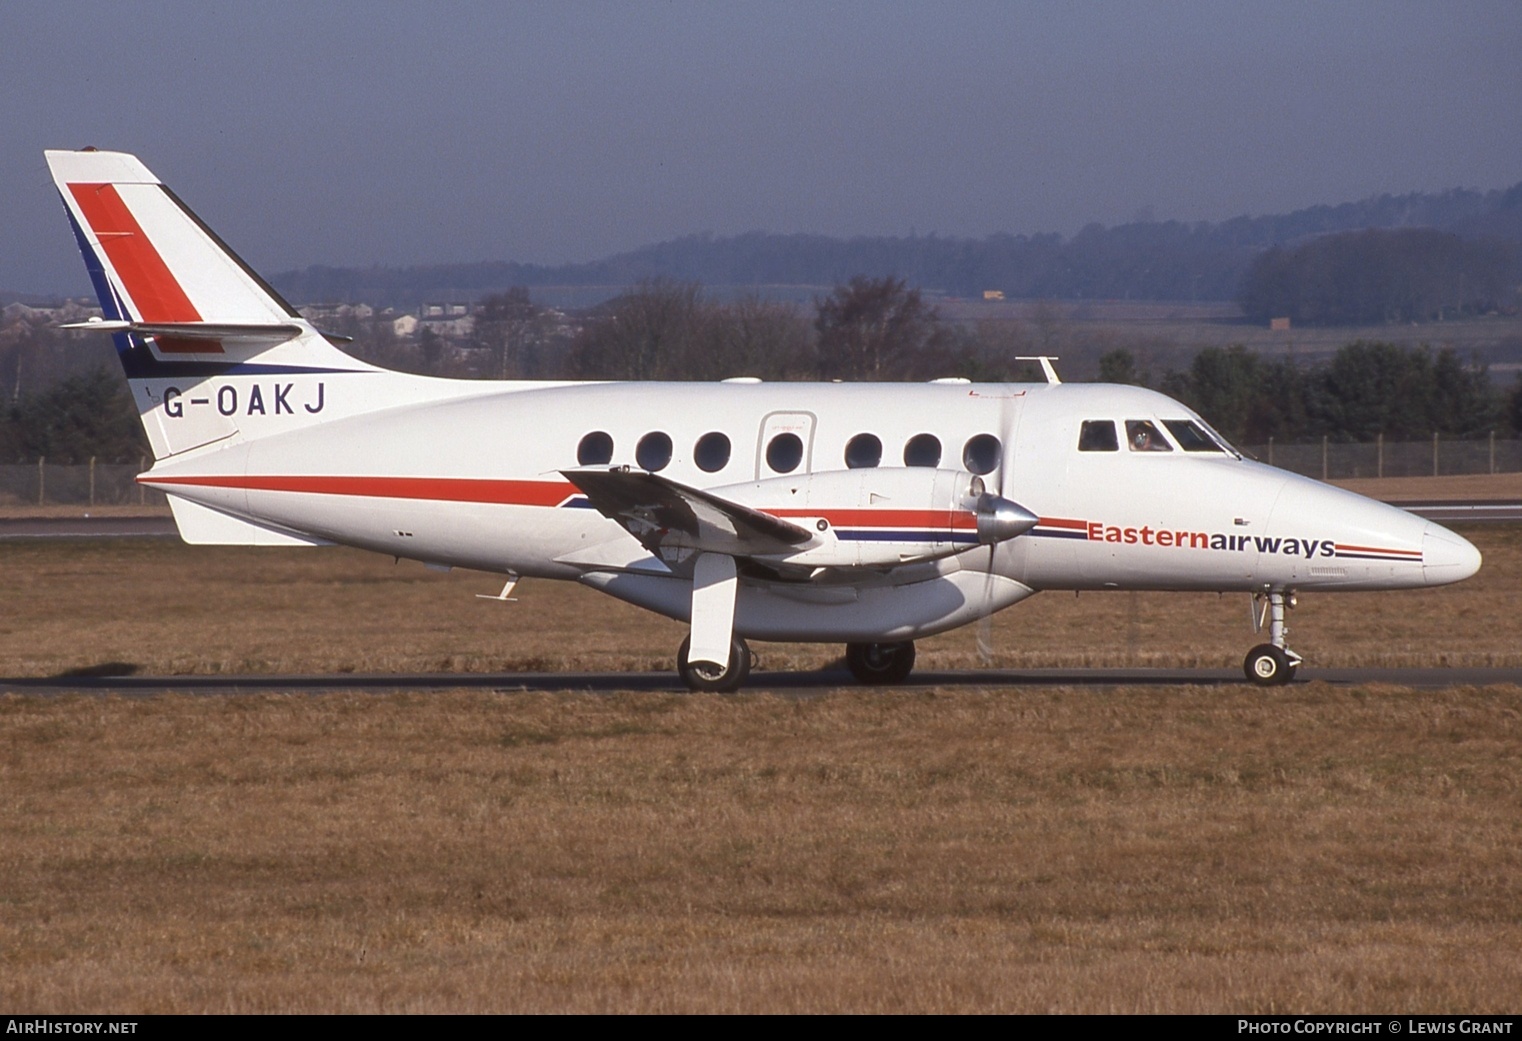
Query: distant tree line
column 882, row 329
column 1364, row 391
column 83, row 416
column 1374, row 276
column 63, row 396
column 865, row 329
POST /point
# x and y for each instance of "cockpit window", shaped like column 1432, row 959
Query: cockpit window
column 1098, row 435
column 1143, row 436
column 1215, row 435
column 1190, row 436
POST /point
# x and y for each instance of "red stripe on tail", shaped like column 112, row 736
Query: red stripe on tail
column 147, row 279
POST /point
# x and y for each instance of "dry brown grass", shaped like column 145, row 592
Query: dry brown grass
column 161, row 608
column 1316, row 849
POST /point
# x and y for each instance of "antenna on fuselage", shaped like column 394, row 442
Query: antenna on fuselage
column 1046, row 365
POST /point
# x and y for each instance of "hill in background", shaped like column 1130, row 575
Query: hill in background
column 1152, row 260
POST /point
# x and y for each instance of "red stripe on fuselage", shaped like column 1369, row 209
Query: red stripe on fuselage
column 148, row 281
column 526, row 493
column 442, row 489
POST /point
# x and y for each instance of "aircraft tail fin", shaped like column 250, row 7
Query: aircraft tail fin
column 151, row 258
column 186, row 312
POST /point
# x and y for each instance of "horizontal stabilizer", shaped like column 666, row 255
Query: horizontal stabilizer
column 243, row 334
column 203, row 526
column 663, row 514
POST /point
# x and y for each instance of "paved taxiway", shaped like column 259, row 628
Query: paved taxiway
column 793, row 684
column 84, row 527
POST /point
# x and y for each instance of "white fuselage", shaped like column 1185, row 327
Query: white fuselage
column 476, row 481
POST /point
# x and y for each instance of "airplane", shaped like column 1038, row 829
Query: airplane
column 872, row 515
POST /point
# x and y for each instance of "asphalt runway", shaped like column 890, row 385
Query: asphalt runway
column 84, row 527
column 792, row 684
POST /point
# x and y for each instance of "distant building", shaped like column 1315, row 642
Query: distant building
column 328, row 312
column 68, row 311
column 1279, row 325
column 993, row 294
column 451, row 321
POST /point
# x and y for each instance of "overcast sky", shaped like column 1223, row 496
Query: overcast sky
column 400, row 133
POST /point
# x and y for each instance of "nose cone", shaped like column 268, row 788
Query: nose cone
column 1447, row 557
column 1000, row 519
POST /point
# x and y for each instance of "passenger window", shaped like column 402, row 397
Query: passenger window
column 596, row 449
column 1190, row 437
column 1098, row 435
column 1142, row 436
column 711, row 452
column 784, row 453
column 981, row 454
column 653, row 451
column 923, row 450
column 863, row 452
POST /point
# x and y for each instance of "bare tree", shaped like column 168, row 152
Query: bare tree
column 510, row 327
column 651, row 332
column 874, row 328
column 754, row 337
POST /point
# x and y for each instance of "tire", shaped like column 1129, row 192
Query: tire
column 705, row 678
column 880, row 664
column 1268, row 666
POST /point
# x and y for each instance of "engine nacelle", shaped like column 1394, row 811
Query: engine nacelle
column 883, row 516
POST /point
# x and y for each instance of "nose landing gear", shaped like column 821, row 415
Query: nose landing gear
column 1271, row 664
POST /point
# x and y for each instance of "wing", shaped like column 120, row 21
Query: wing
column 666, row 516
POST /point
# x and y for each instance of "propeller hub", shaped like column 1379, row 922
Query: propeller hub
column 1000, row 519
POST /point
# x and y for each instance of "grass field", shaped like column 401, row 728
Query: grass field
column 1152, row 850
column 1040, row 849
column 154, row 606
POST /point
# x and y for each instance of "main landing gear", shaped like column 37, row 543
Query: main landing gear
column 1271, row 664
column 880, row 664
column 706, row 677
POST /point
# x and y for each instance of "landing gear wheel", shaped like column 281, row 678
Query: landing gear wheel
column 1268, row 666
column 880, row 664
column 709, row 678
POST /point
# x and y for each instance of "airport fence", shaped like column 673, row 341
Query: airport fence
column 1331, row 460
column 97, row 483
